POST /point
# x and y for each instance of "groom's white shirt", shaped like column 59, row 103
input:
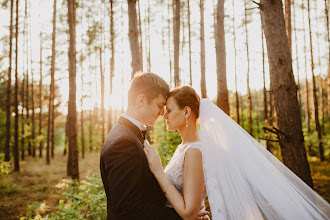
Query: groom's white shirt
column 138, row 124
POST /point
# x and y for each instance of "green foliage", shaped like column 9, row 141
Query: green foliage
column 81, row 200
column 164, row 141
column 4, row 166
column 5, row 188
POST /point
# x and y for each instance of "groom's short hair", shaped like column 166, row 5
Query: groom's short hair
column 149, row 84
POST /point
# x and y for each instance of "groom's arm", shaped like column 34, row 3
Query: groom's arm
column 125, row 168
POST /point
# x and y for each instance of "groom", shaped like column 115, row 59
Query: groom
column 131, row 189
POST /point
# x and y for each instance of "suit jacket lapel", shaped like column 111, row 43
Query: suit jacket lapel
column 131, row 126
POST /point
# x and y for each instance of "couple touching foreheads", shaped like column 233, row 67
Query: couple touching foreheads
column 220, row 160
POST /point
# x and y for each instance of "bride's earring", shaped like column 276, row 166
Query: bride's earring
column 186, row 122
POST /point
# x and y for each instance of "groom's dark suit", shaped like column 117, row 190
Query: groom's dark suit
column 131, row 189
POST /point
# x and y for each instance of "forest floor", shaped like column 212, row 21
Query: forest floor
column 37, row 183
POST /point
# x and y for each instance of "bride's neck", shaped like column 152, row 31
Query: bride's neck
column 189, row 134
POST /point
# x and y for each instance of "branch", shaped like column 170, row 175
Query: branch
column 256, row 3
column 270, row 130
column 270, row 140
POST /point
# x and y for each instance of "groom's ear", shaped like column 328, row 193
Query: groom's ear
column 141, row 99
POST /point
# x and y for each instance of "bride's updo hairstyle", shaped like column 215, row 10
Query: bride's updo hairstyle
column 186, row 96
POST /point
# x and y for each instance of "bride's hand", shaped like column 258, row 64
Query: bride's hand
column 153, row 158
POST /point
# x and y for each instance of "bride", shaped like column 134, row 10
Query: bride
column 241, row 178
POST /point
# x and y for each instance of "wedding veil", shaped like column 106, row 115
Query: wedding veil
column 244, row 180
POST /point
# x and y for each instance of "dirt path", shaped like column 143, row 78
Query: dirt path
column 37, row 182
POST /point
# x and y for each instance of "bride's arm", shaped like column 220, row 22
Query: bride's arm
column 186, row 206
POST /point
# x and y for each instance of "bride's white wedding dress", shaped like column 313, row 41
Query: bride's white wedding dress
column 243, row 180
column 174, row 169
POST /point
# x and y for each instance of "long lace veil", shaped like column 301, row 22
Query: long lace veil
column 244, row 180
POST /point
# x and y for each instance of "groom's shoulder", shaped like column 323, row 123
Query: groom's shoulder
column 118, row 136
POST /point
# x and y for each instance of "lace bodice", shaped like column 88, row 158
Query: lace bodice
column 174, row 169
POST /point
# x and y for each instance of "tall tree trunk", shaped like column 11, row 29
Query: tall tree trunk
column 264, row 74
column 257, row 114
column 176, row 39
column 102, row 95
column 90, row 131
column 320, row 69
column 322, row 105
column 112, row 59
column 25, row 53
column 288, row 22
column 307, row 114
column 189, row 44
column 220, row 47
column 248, row 96
column 52, row 139
column 33, row 115
column 203, row 81
column 284, row 88
column 28, row 16
column 133, row 37
column 297, row 57
column 148, row 38
column 23, row 107
column 140, row 30
column 326, row 10
column 316, row 112
column 8, row 104
column 33, row 149
column 169, row 40
column 269, row 144
column 73, row 166
column 16, row 152
column 236, row 92
column 82, row 86
column 51, row 94
column 41, row 98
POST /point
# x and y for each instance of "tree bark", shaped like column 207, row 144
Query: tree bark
column 134, row 38
column 326, row 10
column 112, row 59
column 102, row 96
column 307, row 114
column 257, row 114
column 51, row 94
column 90, row 131
column 16, row 152
column 169, row 40
column 73, row 169
column 203, row 81
column 220, row 47
column 25, row 53
column 8, row 104
column 82, row 86
column 33, row 114
column 148, row 38
column 288, row 22
column 176, row 39
column 236, row 92
column 140, row 30
column 264, row 74
column 189, row 44
column 316, row 110
column 41, row 98
column 297, row 57
column 248, row 96
column 284, row 89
